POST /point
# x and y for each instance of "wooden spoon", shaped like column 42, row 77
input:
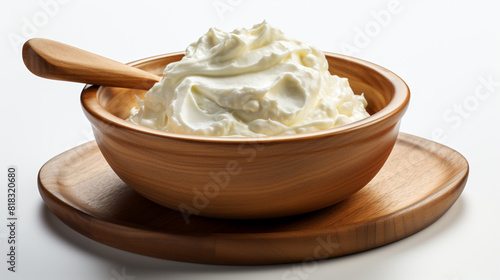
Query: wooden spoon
column 58, row 61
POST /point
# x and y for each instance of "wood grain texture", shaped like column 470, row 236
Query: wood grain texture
column 58, row 61
column 250, row 178
column 417, row 185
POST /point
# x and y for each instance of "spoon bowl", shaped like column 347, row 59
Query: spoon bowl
column 228, row 177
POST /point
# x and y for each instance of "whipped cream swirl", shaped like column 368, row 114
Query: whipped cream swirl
column 249, row 82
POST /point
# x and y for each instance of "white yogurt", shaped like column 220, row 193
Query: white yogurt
column 249, row 82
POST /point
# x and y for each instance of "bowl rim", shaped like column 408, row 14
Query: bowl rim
column 397, row 105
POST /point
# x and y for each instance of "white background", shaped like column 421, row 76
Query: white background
column 442, row 49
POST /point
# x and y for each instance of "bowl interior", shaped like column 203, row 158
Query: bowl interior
column 377, row 86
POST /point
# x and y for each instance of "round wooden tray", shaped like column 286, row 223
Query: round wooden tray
column 417, row 185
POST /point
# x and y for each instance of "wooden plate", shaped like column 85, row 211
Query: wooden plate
column 417, row 185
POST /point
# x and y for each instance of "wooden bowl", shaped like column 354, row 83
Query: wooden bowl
column 250, row 178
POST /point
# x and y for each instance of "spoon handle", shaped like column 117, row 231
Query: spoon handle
column 58, row 61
